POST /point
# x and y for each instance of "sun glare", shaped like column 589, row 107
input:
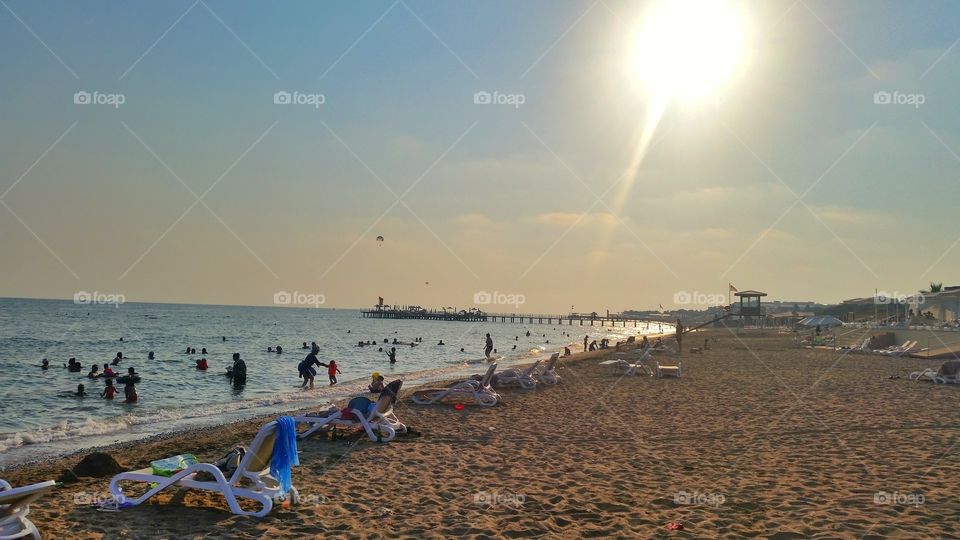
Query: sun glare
column 689, row 49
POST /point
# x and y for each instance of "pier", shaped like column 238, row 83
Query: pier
column 591, row 319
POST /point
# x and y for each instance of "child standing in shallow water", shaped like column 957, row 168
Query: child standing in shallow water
column 109, row 391
column 332, row 370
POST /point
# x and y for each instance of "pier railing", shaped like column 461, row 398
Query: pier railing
column 526, row 318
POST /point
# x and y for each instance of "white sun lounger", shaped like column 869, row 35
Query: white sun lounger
column 863, row 347
column 899, row 351
column 669, row 371
column 380, row 424
column 949, row 373
column 479, row 392
column 14, row 507
column 621, row 366
column 548, row 373
column 254, row 469
column 525, row 379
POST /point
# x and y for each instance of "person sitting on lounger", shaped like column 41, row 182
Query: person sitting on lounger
column 377, row 384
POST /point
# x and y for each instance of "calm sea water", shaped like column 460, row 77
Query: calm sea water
column 41, row 418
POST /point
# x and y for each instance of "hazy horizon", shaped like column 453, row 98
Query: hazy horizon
column 494, row 147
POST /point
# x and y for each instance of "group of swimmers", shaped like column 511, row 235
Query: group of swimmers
column 108, row 375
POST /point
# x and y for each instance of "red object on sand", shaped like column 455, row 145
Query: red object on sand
column 458, row 406
column 674, row 526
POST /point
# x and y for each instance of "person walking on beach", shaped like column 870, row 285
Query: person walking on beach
column 332, row 371
column 679, row 336
column 585, row 339
column 489, row 346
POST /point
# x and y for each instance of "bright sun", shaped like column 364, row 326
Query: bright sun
column 687, row 50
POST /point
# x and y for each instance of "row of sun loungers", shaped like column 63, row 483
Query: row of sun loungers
column 908, row 348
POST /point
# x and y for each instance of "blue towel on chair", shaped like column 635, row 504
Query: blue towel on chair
column 284, row 453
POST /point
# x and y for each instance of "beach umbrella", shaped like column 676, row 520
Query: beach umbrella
column 380, row 240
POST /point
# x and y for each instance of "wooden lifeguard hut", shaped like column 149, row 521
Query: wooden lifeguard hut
column 750, row 307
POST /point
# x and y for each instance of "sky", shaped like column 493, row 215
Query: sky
column 186, row 181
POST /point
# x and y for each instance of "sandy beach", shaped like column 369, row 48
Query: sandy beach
column 758, row 439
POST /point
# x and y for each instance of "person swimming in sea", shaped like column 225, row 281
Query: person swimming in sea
column 150, row 355
column 118, row 359
column 441, row 343
column 202, row 364
column 203, row 350
column 94, row 372
column 279, row 349
column 304, row 346
column 45, row 364
column 392, row 355
column 107, row 372
column 81, row 391
column 73, row 366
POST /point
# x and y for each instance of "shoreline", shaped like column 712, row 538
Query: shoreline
column 255, row 422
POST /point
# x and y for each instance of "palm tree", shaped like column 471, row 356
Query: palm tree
column 936, row 287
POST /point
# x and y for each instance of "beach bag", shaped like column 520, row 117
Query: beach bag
column 231, row 461
column 228, row 464
column 359, row 403
column 172, row 465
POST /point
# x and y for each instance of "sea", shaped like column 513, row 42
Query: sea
column 41, row 418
